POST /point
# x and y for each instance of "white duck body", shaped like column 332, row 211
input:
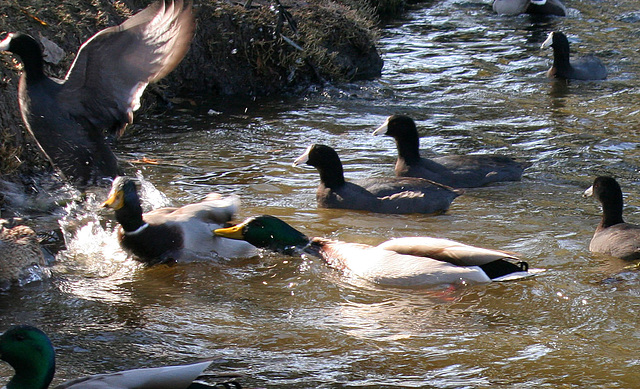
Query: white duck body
column 415, row 261
column 196, row 221
column 166, row 377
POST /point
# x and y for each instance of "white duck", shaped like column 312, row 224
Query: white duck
column 403, row 262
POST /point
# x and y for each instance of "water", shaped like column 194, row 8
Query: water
column 475, row 83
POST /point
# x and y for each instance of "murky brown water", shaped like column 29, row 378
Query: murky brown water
column 474, row 82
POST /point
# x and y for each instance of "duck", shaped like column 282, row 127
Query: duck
column 69, row 118
column 588, row 67
column 391, row 195
column 168, row 235
column 30, row 352
column 21, row 258
column 613, row 236
column 532, row 7
column 459, row 171
column 407, row 262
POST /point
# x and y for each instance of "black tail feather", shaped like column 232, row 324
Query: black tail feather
column 502, row 267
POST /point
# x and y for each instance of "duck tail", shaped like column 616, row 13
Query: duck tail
column 221, row 380
column 501, row 268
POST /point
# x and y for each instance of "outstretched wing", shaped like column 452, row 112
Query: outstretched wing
column 112, row 69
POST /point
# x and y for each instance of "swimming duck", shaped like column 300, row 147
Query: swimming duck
column 382, row 195
column 21, row 259
column 533, row 7
column 173, row 234
column 588, row 67
column 403, row 262
column 458, row 171
column 29, row 351
column 613, row 236
column 69, row 118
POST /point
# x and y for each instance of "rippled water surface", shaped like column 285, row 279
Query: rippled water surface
column 475, row 83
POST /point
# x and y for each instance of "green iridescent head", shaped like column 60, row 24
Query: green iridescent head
column 267, row 232
column 29, row 351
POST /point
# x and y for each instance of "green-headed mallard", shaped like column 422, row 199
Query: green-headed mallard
column 382, row 195
column 101, row 89
column 29, row 351
column 173, row 234
column 403, row 262
column 588, row 67
column 613, row 236
column 459, row 171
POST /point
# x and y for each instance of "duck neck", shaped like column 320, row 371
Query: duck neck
column 34, row 374
column 612, row 213
column 331, row 174
column 289, row 242
column 561, row 60
column 130, row 218
column 31, row 57
column 409, row 148
column 29, row 380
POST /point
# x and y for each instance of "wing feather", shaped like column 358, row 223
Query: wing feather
column 112, row 69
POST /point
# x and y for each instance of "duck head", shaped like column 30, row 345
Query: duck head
column 557, row 40
column 403, row 130
column 29, row 51
column 123, row 193
column 327, row 161
column 604, row 188
column 124, row 199
column 29, row 351
column 267, row 232
column 608, row 192
column 397, row 126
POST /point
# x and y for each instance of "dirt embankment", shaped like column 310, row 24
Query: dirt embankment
column 237, row 50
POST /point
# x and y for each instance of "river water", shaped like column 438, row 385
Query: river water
column 475, row 83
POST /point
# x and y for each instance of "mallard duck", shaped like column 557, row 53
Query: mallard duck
column 403, row 262
column 458, row 171
column 173, row 234
column 613, row 236
column 588, row 67
column 533, row 7
column 101, row 89
column 382, row 195
column 29, row 351
column 21, row 258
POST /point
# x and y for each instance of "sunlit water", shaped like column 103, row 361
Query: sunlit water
column 475, row 83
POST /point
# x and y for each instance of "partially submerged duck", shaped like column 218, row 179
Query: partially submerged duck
column 588, row 67
column 30, row 352
column 458, row 171
column 173, row 234
column 613, row 236
column 404, row 262
column 532, row 7
column 69, row 118
column 21, row 258
column 383, row 195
